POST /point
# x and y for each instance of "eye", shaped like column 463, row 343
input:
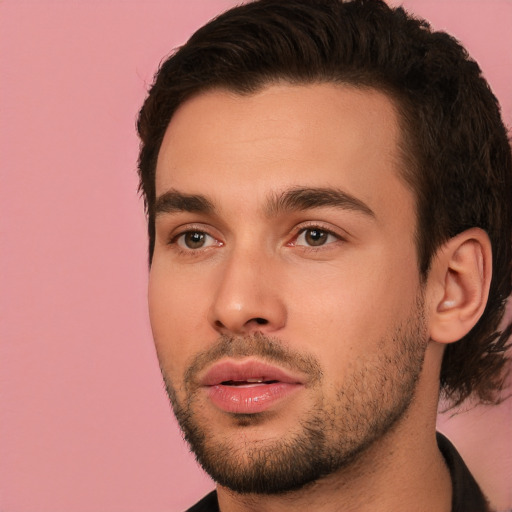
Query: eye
column 315, row 237
column 195, row 240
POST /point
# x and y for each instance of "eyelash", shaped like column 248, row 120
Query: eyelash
column 174, row 241
column 300, row 230
column 312, row 227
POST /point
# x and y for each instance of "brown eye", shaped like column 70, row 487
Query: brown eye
column 315, row 236
column 195, row 240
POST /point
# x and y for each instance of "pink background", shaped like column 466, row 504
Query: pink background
column 84, row 421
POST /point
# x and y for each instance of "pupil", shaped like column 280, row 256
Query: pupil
column 194, row 239
column 316, row 237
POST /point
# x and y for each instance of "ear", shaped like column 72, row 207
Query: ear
column 458, row 285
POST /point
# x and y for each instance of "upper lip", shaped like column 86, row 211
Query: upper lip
column 241, row 371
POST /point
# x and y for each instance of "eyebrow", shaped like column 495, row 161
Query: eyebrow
column 295, row 199
column 173, row 201
column 306, row 198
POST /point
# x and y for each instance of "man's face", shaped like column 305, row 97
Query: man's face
column 284, row 291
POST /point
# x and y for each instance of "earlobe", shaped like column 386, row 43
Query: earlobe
column 459, row 282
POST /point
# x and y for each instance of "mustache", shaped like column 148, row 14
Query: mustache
column 266, row 348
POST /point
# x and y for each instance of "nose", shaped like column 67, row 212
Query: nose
column 249, row 295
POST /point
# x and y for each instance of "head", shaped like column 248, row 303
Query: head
column 453, row 158
column 455, row 150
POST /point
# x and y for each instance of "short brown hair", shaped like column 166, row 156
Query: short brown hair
column 455, row 149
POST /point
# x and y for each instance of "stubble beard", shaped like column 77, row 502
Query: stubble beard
column 377, row 391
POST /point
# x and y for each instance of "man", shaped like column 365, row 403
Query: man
column 328, row 188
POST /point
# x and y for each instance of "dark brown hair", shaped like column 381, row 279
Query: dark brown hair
column 455, row 150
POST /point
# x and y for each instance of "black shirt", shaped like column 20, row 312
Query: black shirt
column 466, row 495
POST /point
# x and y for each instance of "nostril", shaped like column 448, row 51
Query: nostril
column 234, row 327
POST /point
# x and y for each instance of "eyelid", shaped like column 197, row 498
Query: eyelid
column 301, row 241
column 181, row 238
column 340, row 234
column 180, row 230
column 184, row 229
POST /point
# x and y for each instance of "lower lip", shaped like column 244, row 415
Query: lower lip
column 250, row 399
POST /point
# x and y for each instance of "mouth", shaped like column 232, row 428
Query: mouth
column 248, row 387
column 247, row 373
column 248, row 382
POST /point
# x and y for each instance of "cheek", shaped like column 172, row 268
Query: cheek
column 175, row 312
column 340, row 312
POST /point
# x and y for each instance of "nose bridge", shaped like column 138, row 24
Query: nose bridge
column 247, row 297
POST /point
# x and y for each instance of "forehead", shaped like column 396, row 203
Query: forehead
column 283, row 136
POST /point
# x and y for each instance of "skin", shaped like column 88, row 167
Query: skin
column 339, row 303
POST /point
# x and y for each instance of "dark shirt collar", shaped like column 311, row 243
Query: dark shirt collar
column 466, row 494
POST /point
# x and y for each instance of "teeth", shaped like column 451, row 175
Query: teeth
column 253, row 381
